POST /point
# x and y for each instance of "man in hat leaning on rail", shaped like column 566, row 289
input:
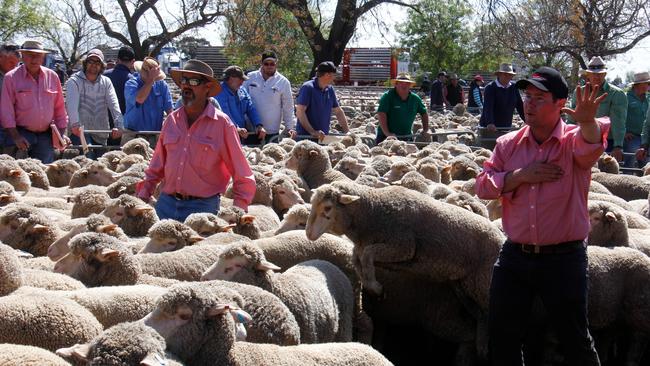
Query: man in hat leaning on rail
column 613, row 106
column 197, row 153
column 397, row 109
column 32, row 99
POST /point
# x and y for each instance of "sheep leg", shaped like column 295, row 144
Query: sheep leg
column 385, row 253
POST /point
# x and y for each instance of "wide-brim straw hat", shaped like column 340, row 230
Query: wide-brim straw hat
column 33, row 46
column 403, row 78
column 641, row 78
column 138, row 68
column 197, row 67
column 505, row 68
column 596, row 66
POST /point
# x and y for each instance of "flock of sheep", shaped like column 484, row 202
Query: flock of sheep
column 392, row 247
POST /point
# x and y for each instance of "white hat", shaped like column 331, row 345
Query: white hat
column 505, row 68
column 596, row 66
column 641, row 77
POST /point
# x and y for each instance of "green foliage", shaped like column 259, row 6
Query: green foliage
column 441, row 37
column 257, row 25
column 189, row 44
column 20, row 16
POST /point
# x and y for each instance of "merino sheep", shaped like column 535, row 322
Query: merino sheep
column 132, row 214
column 285, row 193
column 295, row 218
column 94, row 223
column 46, row 322
column 128, row 161
column 124, row 185
column 169, row 235
column 628, row 187
column 125, row 344
column 7, row 194
column 186, row 264
column 13, row 174
column 415, row 181
column 138, row 146
column 608, row 164
column 350, row 166
column 207, row 335
column 397, row 171
column 60, row 172
column 112, row 158
column 97, row 259
column 26, row 228
column 318, row 294
column 259, row 219
column 35, row 169
column 312, row 163
column 409, row 232
column 467, row 202
column 18, row 354
column 94, row 173
column 207, row 224
column 88, row 200
column 11, row 274
column 82, row 160
column 463, row 168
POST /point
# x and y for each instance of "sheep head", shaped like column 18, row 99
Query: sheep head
column 326, row 204
column 285, row 193
column 295, row 218
column 236, row 257
column 608, row 225
column 169, row 235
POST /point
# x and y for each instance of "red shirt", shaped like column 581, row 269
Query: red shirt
column 199, row 161
column 32, row 104
column 550, row 212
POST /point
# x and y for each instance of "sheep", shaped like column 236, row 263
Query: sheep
column 138, row 146
column 82, row 160
column 318, row 294
column 467, row 202
column 124, row 185
column 463, row 168
column 94, row 223
column 595, row 187
column 94, row 173
column 128, row 161
column 429, row 170
column 411, row 232
column 11, row 273
column 350, row 166
column 169, row 235
column 285, row 193
column 287, row 144
column 13, row 174
column 97, row 259
column 628, row 187
column 18, row 354
column 608, row 164
column 46, row 322
column 275, row 152
column 7, row 194
column 415, row 181
column 88, row 200
column 295, row 218
column 109, row 304
column 35, row 169
column 312, row 163
column 187, row 264
column 397, row 171
column 305, row 191
column 112, row 158
column 610, row 198
column 132, row 214
column 207, row 335
column 381, row 164
column 207, row 224
column 26, row 228
column 262, row 218
column 609, row 227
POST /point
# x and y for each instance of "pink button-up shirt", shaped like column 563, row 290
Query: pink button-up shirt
column 199, row 161
column 32, row 104
column 550, row 212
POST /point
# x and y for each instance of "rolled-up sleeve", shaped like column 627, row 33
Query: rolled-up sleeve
column 243, row 181
column 490, row 182
column 585, row 154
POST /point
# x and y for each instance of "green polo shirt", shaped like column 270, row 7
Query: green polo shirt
column 400, row 113
column 636, row 113
column 613, row 106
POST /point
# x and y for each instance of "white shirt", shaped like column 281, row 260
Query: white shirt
column 272, row 99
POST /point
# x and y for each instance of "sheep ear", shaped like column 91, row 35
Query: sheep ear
column 139, row 210
column 267, row 266
column 106, row 228
column 4, row 196
column 153, row 359
column 447, row 169
column 313, row 153
column 79, row 351
column 195, row 238
column 14, row 172
column 38, row 228
column 611, row 217
column 347, row 199
column 115, row 161
column 301, row 190
column 227, row 228
column 468, row 207
column 107, row 254
column 268, row 174
column 217, row 310
column 246, row 219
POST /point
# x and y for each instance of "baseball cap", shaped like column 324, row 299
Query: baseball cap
column 269, row 54
column 234, row 71
column 96, row 53
column 126, row 54
column 326, row 66
column 547, row 79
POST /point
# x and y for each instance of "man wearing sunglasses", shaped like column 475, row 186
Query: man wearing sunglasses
column 197, row 153
column 272, row 98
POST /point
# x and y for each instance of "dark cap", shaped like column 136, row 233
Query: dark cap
column 547, row 79
column 326, row 66
column 269, row 54
column 234, row 71
column 126, row 54
column 442, row 73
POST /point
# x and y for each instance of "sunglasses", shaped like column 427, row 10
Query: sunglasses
column 192, row 81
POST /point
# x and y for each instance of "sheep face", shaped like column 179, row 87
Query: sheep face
column 60, row 248
column 350, row 167
column 238, row 268
column 206, row 224
column 295, row 219
column 18, row 178
column 95, row 173
column 114, row 212
column 324, row 215
column 608, row 227
column 397, row 171
column 83, row 264
column 285, row 194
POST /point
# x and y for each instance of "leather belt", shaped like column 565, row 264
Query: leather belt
column 560, row 248
column 184, row 197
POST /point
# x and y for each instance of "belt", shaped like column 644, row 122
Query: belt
column 184, row 197
column 560, row 248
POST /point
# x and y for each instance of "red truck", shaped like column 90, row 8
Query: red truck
column 366, row 66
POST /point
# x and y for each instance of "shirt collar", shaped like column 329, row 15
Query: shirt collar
column 23, row 70
column 501, row 85
column 557, row 133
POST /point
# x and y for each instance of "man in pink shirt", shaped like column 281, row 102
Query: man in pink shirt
column 31, row 100
column 541, row 173
column 197, row 153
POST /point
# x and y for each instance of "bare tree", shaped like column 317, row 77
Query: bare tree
column 342, row 27
column 73, row 33
column 579, row 28
column 139, row 19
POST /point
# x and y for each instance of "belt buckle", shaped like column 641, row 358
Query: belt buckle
column 525, row 249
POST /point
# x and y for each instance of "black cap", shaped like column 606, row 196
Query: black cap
column 269, row 54
column 126, row 54
column 326, row 66
column 442, row 73
column 547, row 79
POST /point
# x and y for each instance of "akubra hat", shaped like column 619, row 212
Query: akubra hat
column 505, row 68
column 33, row 46
column 198, row 68
column 641, row 78
column 596, row 65
column 148, row 63
column 403, row 77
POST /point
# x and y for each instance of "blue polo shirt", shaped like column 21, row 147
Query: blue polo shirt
column 319, row 103
column 119, row 75
column 147, row 116
column 238, row 106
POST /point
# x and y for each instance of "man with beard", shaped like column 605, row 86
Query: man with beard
column 197, row 153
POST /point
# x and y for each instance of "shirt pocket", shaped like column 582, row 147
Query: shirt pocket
column 204, row 155
column 171, row 143
column 25, row 99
